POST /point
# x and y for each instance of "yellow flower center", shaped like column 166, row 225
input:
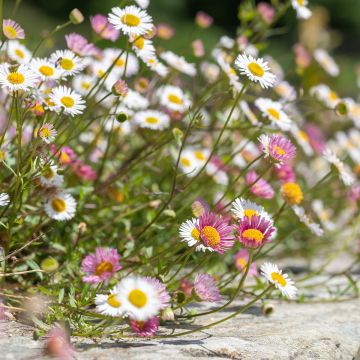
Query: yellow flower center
column 45, row 132
column 241, row 262
column 333, row 95
column 232, row 71
column 250, row 213
column 19, row 53
column 103, row 267
column 175, row 99
column 113, row 301
column 253, row 234
column 49, row 102
column 139, row 43
column 49, row 174
column 67, row 64
column 185, row 161
column 211, row 234
column 152, row 120
column 195, row 233
column 200, row 155
column 300, row 2
column 278, row 150
column 16, row 78
column 274, row 113
column 67, row 101
column 120, row 62
column 46, row 70
column 138, row 298
column 58, row 205
column 256, row 69
column 10, row 32
column 86, row 85
column 303, row 135
column 292, row 193
column 278, row 278
column 130, row 20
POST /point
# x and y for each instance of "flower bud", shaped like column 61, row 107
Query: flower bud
column 49, row 264
column 341, row 109
column 121, row 117
column 76, row 17
column 120, row 88
column 167, row 315
column 142, row 85
column 267, row 309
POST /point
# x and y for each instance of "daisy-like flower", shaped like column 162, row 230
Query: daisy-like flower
column 285, row 173
column 131, row 20
column 139, row 297
column 292, row 193
column 47, row 133
column 69, row 63
column 143, row 48
column 214, row 232
column 146, row 328
column 329, row 97
column 302, row 11
column 273, row 110
column 277, row 147
column 189, row 163
column 255, row 232
column 281, row 280
column 256, row 70
column 60, row 206
column 12, row 30
column 50, row 177
column 241, row 261
column 343, row 170
column 79, row 45
column 68, row 100
column 259, row 187
column 4, row 199
column 326, row 62
column 199, row 207
column 206, row 289
column 103, row 28
column 109, row 304
column 179, row 63
column 18, row 52
column 152, row 119
column 45, row 69
column 245, row 208
column 83, row 84
column 111, row 57
column 162, row 293
column 189, row 233
column 173, row 98
column 134, row 101
column 100, row 266
column 14, row 79
column 305, row 219
column 155, row 65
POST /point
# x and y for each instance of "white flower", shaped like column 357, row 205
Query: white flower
column 242, row 207
column 139, row 297
column 4, row 199
column 68, row 100
column 344, row 171
column 155, row 65
column 18, row 52
column 111, row 56
column 302, row 11
column 323, row 214
column 190, row 234
column 50, row 177
column 327, row 62
column 179, row 63
column 61, row 206
column 68, row 62
column 285, row 90
column 329, row 97
column 45, row 69
column 173, row 98
column 134, row 101
column 305, row 219
column 21, row 78
column 152, row 119
column 109, row 304
column 273, row 110
column 83, row 83
column 131, row 20
column 143, row 48
column 281, row 280
column 47, row 133
column 256, row 70
column 143, row 3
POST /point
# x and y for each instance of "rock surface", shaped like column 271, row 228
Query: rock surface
column 294, row 331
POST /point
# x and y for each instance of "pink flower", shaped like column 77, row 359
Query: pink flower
column 58, row 344
column 100, row 266
column 79, row 45
column 266, row 11
column 198, row 48
column 255, row 232
column 12, row 30
column 203, row 20
column 163, row 295
column 277, row 147
column 103, row 28
column 241, row 260
column 66, row 155
column 83, row 171
column 165, row 31
column 199, row 207
column 316, row 138
column 186, row 286
column 354, row 192
column 206, row 289
column 146, row 328
column 302, row 56
column 261, row 188
column 285, row 173
column 215, row 232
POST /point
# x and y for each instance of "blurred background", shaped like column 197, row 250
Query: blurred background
column 336, row 23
